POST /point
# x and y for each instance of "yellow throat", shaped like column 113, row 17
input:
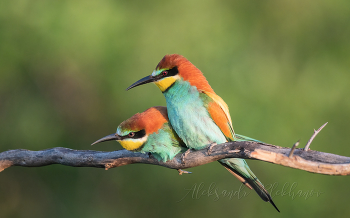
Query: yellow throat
column 166, row 82
column 132, row 144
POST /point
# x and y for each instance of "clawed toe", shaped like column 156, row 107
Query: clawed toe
column 183, row 171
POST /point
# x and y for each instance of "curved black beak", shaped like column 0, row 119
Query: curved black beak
column 147, row 79
column 107, row 138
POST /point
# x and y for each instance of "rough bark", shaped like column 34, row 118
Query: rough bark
column 312, row 161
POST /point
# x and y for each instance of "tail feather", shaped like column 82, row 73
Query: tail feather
column 242, row 180
column 240, row 169
column 239, row 138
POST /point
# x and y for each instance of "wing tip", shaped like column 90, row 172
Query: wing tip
column 273, row 204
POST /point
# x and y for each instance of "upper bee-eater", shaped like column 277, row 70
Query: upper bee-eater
column 199, row 116
column 148, row 132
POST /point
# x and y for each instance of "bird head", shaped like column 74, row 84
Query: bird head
column 132, row 134
column 173, row 68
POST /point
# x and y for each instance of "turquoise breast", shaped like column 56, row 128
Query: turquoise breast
column 189, row 116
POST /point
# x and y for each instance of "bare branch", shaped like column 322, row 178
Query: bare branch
column 312, row 161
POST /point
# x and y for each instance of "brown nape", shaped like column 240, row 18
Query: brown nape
column 151, row 120
column 163, row 111
column 169, row 61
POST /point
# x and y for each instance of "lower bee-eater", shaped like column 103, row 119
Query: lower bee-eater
column 148, row 132
column 198, row 115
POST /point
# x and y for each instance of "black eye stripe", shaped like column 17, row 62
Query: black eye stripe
column 137, row 135
column 171, row 72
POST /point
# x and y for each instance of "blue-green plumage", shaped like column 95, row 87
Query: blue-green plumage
column 163, row 145
column 189, row 117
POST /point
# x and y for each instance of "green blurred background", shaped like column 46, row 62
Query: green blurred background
column 281, row 66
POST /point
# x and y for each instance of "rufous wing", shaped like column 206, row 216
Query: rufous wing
column 219, row 112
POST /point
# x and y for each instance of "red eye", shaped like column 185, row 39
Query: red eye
column 165, row 73
column 132, row 134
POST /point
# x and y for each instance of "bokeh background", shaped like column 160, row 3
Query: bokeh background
column 281, row 66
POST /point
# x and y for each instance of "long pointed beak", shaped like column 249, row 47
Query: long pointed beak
column 147, row 79
column 107, row 138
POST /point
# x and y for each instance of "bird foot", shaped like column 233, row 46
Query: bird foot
column 211, row 146
column 183, row 156
column 183, row 171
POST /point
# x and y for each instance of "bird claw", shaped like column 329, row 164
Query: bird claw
column 211, row 146
column 183, row 156
column 183, row 171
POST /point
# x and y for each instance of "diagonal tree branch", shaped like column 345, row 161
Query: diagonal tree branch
column 312, row 161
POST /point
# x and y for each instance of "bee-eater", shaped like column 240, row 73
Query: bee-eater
column 148, row 132
column 199, row 116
